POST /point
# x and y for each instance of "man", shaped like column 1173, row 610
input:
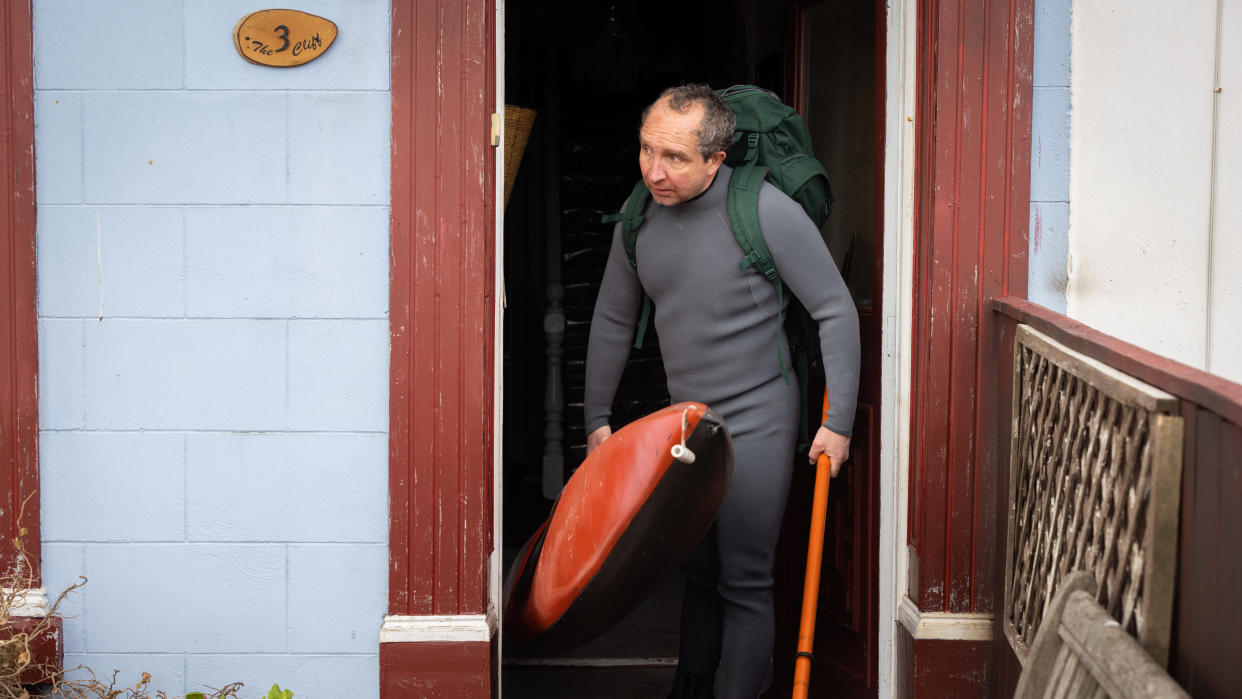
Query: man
column 717, row 324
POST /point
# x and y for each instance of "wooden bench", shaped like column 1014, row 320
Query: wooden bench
column 1081, row 651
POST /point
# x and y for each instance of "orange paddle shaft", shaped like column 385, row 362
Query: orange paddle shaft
column 810, row 587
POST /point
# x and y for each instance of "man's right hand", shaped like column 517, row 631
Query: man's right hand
column 597, row 438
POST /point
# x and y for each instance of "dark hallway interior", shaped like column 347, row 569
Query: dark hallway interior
column 588, row 69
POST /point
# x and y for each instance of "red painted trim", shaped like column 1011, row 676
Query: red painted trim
column 46, row 642
column 19, row 346
column 441, row 306
column 922, row 192
column 436, row 670
column 932, row 669
column 972, row 198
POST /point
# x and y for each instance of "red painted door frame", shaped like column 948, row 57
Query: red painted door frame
column 972, row 203
column 19, row 346
column 442, row 333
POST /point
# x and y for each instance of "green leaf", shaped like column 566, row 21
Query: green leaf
column 196, row 695
column 277, row 693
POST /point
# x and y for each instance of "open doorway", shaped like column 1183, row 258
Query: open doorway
column 588, row 69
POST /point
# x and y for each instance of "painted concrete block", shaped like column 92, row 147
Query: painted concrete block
column 287, row 262
column 357, row 60
column 197, row 374
column 100, row 486
column 339, row 147
column 167, row 670
column 119, row 260
column 58, row 147
column 185, row 147
column 353, row 676
column 121, row 44
column 1052, row 43
column 170, row 598
column 338, row 375
column 337, row 597
column 61, row 375
column 1048, row 273
column 63, row 567
column 287, row 487
column 1050, row 159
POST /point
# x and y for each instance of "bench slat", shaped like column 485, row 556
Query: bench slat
column 1081, row 652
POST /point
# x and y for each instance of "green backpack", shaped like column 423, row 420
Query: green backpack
column 772, row 142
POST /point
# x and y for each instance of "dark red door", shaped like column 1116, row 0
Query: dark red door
column 836, row 69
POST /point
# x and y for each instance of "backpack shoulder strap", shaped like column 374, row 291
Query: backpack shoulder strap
column 743, row 204
column 744, row 185
column 632, row 219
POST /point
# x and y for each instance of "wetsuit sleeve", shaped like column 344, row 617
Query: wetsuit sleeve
column 807, row 270
column 612, row 333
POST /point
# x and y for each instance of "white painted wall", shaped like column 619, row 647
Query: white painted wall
column 1225, row 301
column 1156, row 173
column 213, row 297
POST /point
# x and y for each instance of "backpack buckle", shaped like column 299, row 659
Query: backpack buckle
column 752, row 146
column 751, row 260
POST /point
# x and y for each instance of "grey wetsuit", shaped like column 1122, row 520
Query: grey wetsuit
column 717, row 325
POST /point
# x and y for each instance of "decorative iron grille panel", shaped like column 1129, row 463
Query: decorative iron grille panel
column 1095, row 470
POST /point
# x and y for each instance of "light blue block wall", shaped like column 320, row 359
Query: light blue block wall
column 212, row 257
column 58, row 131
column 256, row 487
column 122, row 260
column 287, row 261
column 1050, row 147
column 89, row 471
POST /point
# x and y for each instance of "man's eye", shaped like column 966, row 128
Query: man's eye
column 675, row 158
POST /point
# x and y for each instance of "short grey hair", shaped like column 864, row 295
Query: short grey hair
column 715, row 132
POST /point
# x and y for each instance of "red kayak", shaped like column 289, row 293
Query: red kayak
column 632, row 511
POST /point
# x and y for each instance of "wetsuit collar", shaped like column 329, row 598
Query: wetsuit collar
column 711, row 197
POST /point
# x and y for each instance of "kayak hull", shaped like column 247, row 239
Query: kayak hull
column 630, row 513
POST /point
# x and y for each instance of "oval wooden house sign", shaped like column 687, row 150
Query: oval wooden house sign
column 283, row 38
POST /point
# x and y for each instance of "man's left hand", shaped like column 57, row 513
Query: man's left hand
column 836, row 446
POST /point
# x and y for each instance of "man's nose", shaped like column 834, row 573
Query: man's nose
column 656, row 173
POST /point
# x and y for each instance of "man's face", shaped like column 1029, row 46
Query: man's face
column 669, row 157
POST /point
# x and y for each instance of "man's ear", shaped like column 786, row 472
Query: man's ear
column 715, row 161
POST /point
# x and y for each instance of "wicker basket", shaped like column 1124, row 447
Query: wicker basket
column 518, row 122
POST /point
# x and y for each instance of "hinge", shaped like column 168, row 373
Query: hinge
column 495, row 129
